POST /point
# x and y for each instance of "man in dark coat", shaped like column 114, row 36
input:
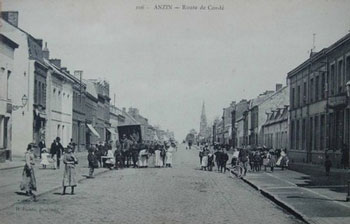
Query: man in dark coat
column 125, row 147
column 57, row 149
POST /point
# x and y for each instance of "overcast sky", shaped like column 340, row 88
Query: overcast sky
column 166, row 63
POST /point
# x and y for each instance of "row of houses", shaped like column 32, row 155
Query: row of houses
column 309, row 117
column 40, row 99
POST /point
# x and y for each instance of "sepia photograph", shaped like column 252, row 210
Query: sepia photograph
column 175, row 111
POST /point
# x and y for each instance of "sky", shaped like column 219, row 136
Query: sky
column 168, row 62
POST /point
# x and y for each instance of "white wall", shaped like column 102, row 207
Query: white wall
column 59, row 109
column 21, row 82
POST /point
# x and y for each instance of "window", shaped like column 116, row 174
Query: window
column 332, row 80
column 322, row 131
column 323, row 85
column 297, row 135
column 311, row 90
column 293, row 98
column 317, row 134
column 347, row 68
column 303, row 132
column 298, row 97
column 35, row 91
column 311, row 133
column 7, row 84
column 340, row 76
column 292, row 135
column 304, row 93
column 317, row 88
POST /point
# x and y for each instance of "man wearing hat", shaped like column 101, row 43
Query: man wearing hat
column 56, row 150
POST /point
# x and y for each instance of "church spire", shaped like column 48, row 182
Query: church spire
column 203, row 122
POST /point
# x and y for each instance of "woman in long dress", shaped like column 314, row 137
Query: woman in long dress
column 69, row 175
column 110, row 159
column 158, row 159
column 143, row 158
column 169, row 156
column 28, row 183
column 205, row 159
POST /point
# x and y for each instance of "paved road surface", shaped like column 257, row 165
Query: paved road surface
column 182, row 194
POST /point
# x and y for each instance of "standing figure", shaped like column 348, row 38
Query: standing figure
column 125, row 146
column 41, row 145
column 158, row 160
column 243, row 159
column 223, row 160
column 143, row 161
column 56, row 151
column 69, row 175
column 45, row 158
column 205, row 159
column 327, row 165
column 163, row 154
column 210, row 161
column 169, row 156
column 72, row 144
column 135, row 148
column 118, row 156
column 110, row 159
column 93, row 163
column 28, row 183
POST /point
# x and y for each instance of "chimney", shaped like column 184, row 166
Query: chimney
column 64, row 69
column 278, row 86
column 11, row 17
column 56, row 62
column 46, row 52
column 78, row 74
column 124, row 109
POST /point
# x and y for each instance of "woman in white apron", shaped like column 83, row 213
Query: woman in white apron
column 169, row 156
column 158, row 159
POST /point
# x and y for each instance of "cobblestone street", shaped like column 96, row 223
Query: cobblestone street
column 182, row 194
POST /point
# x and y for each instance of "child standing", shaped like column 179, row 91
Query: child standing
column 45, row 156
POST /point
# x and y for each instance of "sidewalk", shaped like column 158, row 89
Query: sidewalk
column 292, row 190
column 18, row 162
column 48, row 180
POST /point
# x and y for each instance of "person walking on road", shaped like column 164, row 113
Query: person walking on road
column 243, row 159
column 56, row 151
column 223, row 160
column 28, row 183
column 93, row 163
column 69, row 175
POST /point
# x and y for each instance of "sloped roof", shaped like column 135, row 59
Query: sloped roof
column 90, row 88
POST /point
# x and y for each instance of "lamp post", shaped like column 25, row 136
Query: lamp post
column 24, row 101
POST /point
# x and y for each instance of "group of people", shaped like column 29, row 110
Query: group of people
column 126, row 153
column 28, row 183
column 207, row 158
column 252, row 159
column 129, row 153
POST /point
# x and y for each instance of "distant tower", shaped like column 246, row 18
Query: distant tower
column 203, row 123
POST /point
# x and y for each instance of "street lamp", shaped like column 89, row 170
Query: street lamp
column 24, row 103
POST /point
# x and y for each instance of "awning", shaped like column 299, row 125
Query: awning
column 111, row 130
column 93, row 130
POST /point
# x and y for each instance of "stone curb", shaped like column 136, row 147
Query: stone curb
column 52, row 190
column 299, row 215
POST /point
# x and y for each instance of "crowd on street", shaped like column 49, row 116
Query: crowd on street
column 120, row 154
column 242, row 159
